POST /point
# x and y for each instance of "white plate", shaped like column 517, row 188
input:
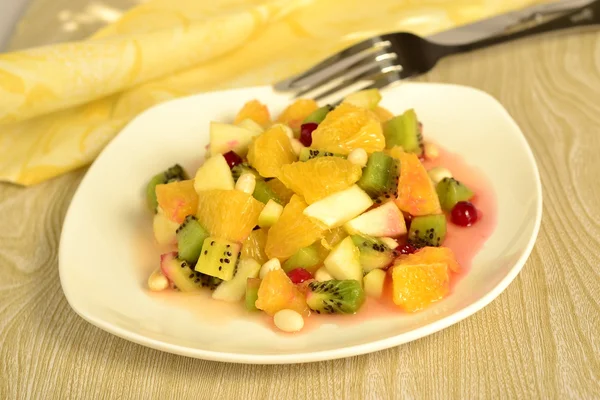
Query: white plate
column 104, row 264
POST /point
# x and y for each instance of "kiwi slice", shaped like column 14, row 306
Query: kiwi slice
column 173, row 174
column 308, row 154
column 335, row 296
column 403, row 130
column 263, row 193
column 243, row 168
column 181, row 274
column 374, row 254
column 450, row 191
column 318, row 115
column 218, row 258
column 306, row 257
column 190, row 238
column 380, row 177
column 252, row 285
column 428, row 230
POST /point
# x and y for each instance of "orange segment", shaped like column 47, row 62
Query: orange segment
column 319, row 177
column 292, row 231
column 296, row 112
column 277, row 292
column 255, row 111
column 254, row 246
column 383, row 114
column 280, row 190
column 416, row 193
column 349, row 127
column 271, row 150
column 228, row 214
column 177, row 199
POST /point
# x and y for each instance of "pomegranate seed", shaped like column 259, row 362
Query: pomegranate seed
column 408, row 220
column 464, row 213
column 232, row 159
column 299, row 275
column 407, row 249
column 306, row 131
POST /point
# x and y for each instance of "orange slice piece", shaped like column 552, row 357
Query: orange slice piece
column 416, row 193
column 270, row 151
column 177, row 199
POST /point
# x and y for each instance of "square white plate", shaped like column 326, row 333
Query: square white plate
column 105, row 258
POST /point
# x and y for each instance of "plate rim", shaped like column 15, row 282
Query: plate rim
column 314, row 356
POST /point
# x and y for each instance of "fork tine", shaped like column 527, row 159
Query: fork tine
column 334, row 64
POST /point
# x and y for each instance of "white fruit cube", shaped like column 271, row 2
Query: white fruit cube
column 251, row 125
column 227, row 137
column 214, row 174
column 270, row 214
column 374, row 282
column 343, row 262
column 340, row 207
column 164, row 229
column 385, row 220
column 235, row 289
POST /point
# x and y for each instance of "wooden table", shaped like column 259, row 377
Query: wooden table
column 539, row 339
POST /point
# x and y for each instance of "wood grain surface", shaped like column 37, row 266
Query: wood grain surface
column 539, row 340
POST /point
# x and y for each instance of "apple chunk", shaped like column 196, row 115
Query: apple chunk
column 386, row 220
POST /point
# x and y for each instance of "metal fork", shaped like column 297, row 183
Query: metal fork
column 384, row 60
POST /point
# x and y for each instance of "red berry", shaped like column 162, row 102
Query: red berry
column 464, row 213
column 407, row 249
column 407, row 220
column 232, row 159
column 299, row 275
column 306, row 131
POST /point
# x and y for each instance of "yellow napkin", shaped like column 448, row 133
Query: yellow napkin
column 61, row 104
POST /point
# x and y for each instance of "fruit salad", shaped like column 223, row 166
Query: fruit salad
column 311, row 213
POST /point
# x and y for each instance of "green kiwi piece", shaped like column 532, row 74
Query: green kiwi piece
column 243, row 168
column 308, row 154
column 374, row 254
column 263, row 193
column 318, row 115
column 173, row 174
column 190, row 238
column 306, row 257
column 380, row 177
column 403, row 130
column 450, row 191
column 182, row 275
column 335, row 296
column 428, row 230
column 219, row 258
column 252, row 286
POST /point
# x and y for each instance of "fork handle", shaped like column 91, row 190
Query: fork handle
column 584, row 16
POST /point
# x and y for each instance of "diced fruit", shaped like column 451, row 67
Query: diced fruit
column 180, row 273
column 252, row 286
column 218, row 258
column 277, row 292
column 306, row 258
column 320, row 177
column 242, row 169
column 235, row 289
column 431, row 151
column 269, row 266
column 374, row 254
column 332, row 237
column 164, row 229
column 416, row 194
column 368, row 98
column 296, row 113
column 270, row 214
column 306, row 131
column 427, row 230
column 308, row 154
column 251, row 126
column 228, row 137
column 228, row 214
column 437, row 174
column 450, row 192
column 281, row 191
column 349, row 127
column 339, row 208
column 270, row 151
column 232, row 159
column 344, row 261
column 464, row 214
column 299, row 275
column 385, row 220
column 292, row 231
column 264, row 194
column 173, row 174
column 214, row 174
column 322, row 275
column 254, row 246
column 256, row 111
column 335, row 296
column 422, row 278
column 190, row 238
column 404, row 131
column 374, row 283
column 246, row 183
column 407, row 249
column 318, row 115
column 380, row 177
column 177, row 199
column 383, row 113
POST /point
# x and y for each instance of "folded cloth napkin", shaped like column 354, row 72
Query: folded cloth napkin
column 61, row 104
